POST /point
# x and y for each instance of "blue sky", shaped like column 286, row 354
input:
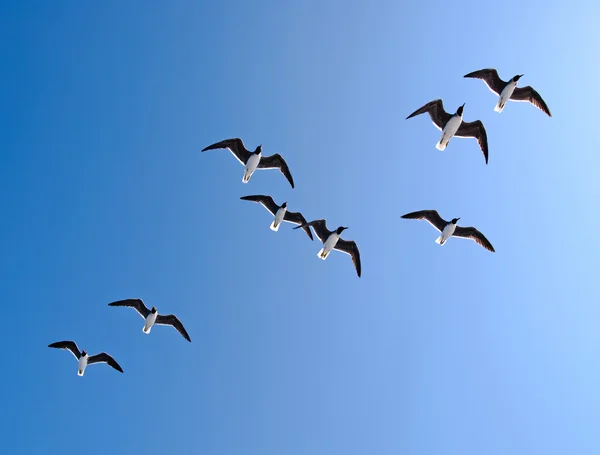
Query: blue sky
column 105, row 195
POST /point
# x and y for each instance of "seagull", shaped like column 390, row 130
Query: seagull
column 332, row 241
column 449, row 228
column 509, row 90
column 281, row 213
column 83, row 358
column 152, row 317
column 253, row 160
column 453, row 125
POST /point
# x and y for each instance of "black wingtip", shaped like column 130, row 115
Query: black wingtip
column 307, row 230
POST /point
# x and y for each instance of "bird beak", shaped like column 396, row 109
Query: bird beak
column 464, row 104
column 458, row 219
column 521, row 75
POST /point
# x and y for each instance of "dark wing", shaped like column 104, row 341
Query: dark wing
column 432, row 216
column 171, row 319
column 436, row 111
column 138, row 304
column 528, row 94
column 473, row 234
column 266, row 201
column 320, row 227
column 235, row 146
column 477, row 130
column 276, row 162
column 349, row 247
column 103, row 357
column 297, row 218
column 69, row 346
column 491, row 78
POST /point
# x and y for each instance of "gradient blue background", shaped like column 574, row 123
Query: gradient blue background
column 104, row 195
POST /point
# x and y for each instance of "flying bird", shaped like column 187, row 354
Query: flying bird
column 509, row 90
column 253, row 160
column 281, row 213
column 83, row 358
column 453, row 125
column 152, row 317
column 449, row 228
column 332, row 241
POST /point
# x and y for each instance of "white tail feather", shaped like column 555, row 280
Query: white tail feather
column 439, row 240
column 273, row 227
column 246, row 177
column 498, row 108
column 320, row 254
column 80, row 372
column 147, row 330
column 441, row 145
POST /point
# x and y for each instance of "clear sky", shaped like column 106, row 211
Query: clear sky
column 104, row 195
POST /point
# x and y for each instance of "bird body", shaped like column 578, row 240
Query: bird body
column 278, row 218
column 251, row 166
column 449, row 131
column 505, row 95
column 82, row 364
column 329, row 245
column 446, row 233
column 150, row 321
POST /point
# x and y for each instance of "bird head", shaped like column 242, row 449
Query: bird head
column 153, row 310
column 340, row 230
column 284, row 205
column 83, row 353
column 455, row 220
column 517, row 77
column 459, row 111
column 258, row 150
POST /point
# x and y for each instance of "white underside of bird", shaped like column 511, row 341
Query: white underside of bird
column 328, row 246
column 82, row 364
column 449, row 131
column 251, row 166
column 278, row 219
column 505, row 96
column 446, row 233
column 150, row 320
